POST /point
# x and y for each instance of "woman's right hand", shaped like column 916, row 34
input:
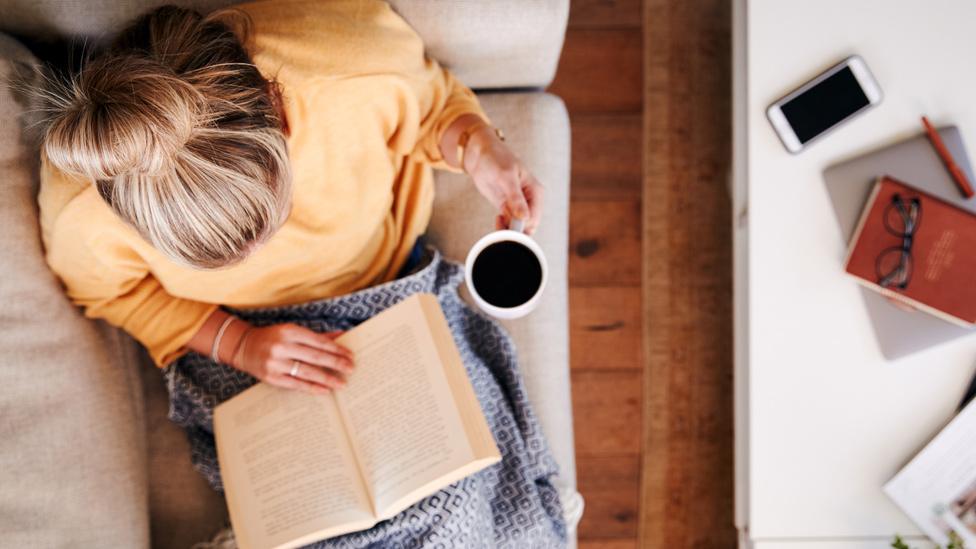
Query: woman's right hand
column 269, row 353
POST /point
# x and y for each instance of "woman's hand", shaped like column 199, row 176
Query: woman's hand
column 498, row 174
column 269, row 354
column 504, row 180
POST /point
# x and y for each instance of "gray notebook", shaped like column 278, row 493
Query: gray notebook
column 913, row 161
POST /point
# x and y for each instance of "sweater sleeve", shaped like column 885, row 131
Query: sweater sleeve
column 161, row 322
column 110, row 281
column 137, row 304
column 448, row 98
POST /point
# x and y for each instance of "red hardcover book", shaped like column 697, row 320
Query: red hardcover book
column 918, row 249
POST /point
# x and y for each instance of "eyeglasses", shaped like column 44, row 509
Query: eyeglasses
column 894, row 264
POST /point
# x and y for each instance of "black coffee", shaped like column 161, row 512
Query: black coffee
column 506, row 274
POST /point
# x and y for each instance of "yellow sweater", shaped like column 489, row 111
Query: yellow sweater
column 366, row 111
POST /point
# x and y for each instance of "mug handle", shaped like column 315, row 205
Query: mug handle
column 517, row 225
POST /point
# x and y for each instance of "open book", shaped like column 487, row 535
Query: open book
column 298, row 467
column 937, row 489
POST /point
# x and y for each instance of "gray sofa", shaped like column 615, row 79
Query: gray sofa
column 87, row 455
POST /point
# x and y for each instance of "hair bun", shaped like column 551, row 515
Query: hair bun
column 122, row 114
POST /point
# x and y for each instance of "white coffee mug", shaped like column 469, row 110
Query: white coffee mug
column 514, row 234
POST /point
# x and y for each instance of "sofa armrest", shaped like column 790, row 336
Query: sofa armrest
column 72, row 446
column 537, row 128
column 493, row 44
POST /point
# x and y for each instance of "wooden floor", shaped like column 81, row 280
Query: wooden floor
column 647, row 86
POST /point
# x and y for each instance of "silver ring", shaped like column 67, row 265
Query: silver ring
column 294, row 368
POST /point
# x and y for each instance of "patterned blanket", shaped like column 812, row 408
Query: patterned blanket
column 513, row 503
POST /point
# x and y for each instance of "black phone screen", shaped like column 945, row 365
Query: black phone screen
column 820, row 107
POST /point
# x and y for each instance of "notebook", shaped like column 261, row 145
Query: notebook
column 940, row 267
column 899, row 333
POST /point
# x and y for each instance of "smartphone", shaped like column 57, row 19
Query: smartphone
column 823, row 103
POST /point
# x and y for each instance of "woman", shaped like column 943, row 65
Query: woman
column 262, row 158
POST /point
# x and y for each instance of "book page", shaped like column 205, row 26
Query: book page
column 404, row 424
column 937, row 489
column 479, row 435
column 288, row 469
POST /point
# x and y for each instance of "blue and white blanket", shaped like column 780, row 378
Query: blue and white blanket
column 513, row 503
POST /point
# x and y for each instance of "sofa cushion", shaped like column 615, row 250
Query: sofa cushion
column 494, row 44
column 183, row 508
column 72, row 452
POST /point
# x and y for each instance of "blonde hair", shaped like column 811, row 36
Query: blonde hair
column 180, row 133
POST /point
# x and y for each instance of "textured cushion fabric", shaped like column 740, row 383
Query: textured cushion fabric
column 93, row 19
column 72, row 451
column 494, row 43
column 537, row 127
column 488, row 44
column 183, row 508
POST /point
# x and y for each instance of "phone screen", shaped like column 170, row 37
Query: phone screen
column 817, row 109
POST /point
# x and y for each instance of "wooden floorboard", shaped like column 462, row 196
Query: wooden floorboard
column 606, row 412
column 604, row 240
column 599, row 78
column 606, row 156
column 625, row 543
column 686, row 472
column 605, row 328
column 603, row 71
column 612, row 492
column 604, row 14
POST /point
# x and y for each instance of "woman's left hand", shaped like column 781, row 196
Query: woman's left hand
column 504, row 180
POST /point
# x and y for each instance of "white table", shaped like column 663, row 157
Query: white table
column 822, row 419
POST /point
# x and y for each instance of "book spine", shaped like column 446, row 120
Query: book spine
column 913, row 303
